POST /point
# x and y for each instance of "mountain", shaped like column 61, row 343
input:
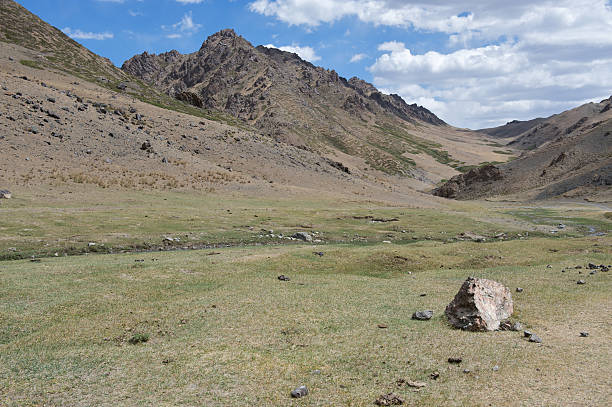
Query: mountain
column 229, row 117
column 568, row 154
column 292, row 100
column 511, row 129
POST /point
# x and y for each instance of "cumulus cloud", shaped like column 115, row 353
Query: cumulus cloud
column 82, row 35
column 185, row 27
column 503, row 60
column 306, row 53
column 358, row 57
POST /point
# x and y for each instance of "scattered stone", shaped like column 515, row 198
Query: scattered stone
column 35, row 260
column 580, row 282
column 527, row 334
column 455, row 360
column 34, row 129
column 52, row 100
column 282, row 277
column 535, row 338
column 480, row 305
column 390, row 399
column 299, row 392
column 471, row 236
column 416, row 385
column 383, row 326
column 435, row 375
column 592, row 266
column 466, row 370
column 519, row 290
column 495, row 368
column 320, row 254
column 509, row 326
column 517, row 326
column 306, row 237
column 422, row 315
column 584, row 334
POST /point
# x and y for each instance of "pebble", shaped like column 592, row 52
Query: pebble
column 495, row 368
column 580, row 282
column 282, row 277
column 535, row 338
column 422, row 315
column 299, row 392
column 455, row 360
column 519, row 290
column 584, row 334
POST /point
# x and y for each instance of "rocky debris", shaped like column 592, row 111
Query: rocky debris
column 580, row 282
column 471, row 236
column 389, row 399
column 423, row 315
column 299, row 392
column 519, row 290
column 584, row 334
column 306, row 237
column 283, row 277
column 338, row 165
column 435, row 375
column 455, row 360
column 146, row 146
column 5, row 194
column 480, row 305
column 453, row 187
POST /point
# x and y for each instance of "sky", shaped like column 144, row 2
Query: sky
column 473, row 63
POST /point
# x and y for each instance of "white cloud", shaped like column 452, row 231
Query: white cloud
column 134, row 13
column 190, row 1
column 358, row 57
column 306, row 53
column 184, row 27
column 503, row 59
column 81, row 35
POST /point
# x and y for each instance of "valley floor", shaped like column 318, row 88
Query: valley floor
column 221, row 329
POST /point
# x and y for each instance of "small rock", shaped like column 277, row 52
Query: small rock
column 527, row 334
column 282, row 277
column 416, row 385
column 303, row 236
column 299, row 392
column 535, row 338
column 584, row 334
column 390, row 399
column 383, row 326
column 422, row 315
column 320, row 254
column 435, row 375
column 495, row 368
column 580, row 282
column 455, row 360
column 519, row 290
column 52, row 100
column 466, row 370
column 517, row 326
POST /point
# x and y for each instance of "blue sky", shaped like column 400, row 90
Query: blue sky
column 475, row 64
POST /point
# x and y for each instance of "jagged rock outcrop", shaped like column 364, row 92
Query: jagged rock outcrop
column 458, row 183
column 480, row 305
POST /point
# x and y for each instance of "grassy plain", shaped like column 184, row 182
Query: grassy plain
column 222, row 330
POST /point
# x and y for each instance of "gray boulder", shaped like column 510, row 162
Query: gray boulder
column 303, row 236
column 480, row 305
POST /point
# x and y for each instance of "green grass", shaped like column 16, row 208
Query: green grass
column 224, row 331
column 31, row 64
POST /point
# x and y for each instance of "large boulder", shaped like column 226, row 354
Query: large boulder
column 480, row 305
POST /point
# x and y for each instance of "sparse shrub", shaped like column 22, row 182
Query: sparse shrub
column 138, row 338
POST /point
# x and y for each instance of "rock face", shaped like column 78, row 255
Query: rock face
column 452, row 188
column 480, row 305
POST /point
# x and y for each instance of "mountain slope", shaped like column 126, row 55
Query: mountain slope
column 567, row 154
column 511, row 129
column 293, row 101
